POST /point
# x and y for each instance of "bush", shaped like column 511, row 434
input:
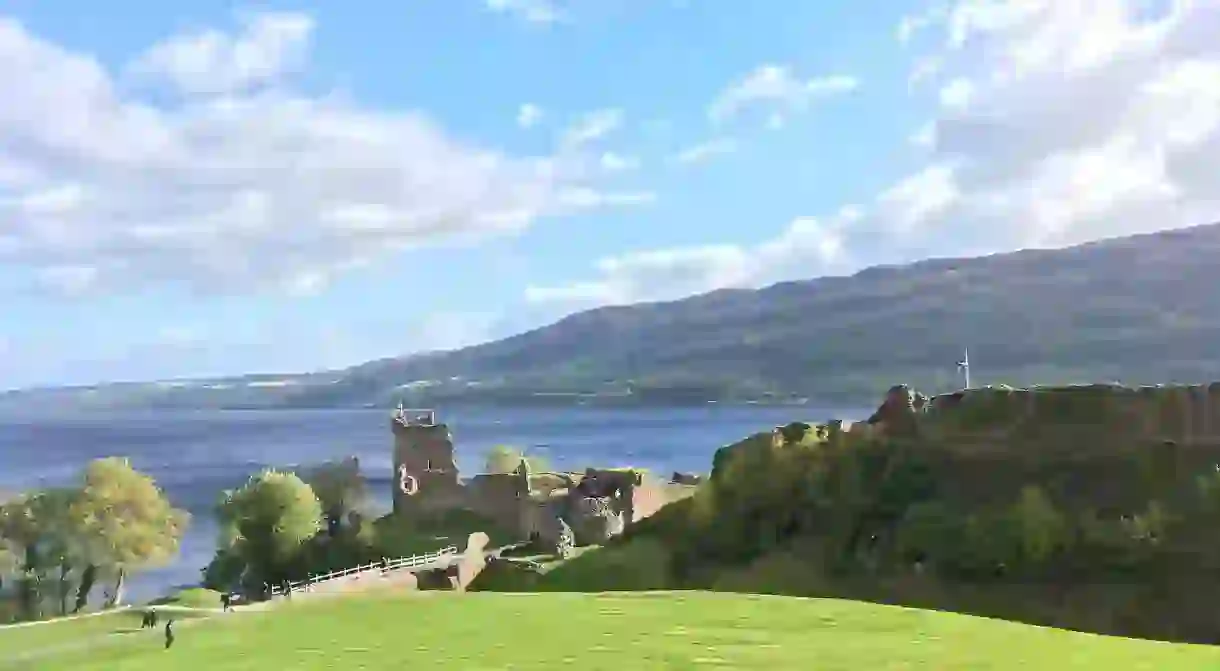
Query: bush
column 636, row 565
column 930, row 532
column 1042, row 530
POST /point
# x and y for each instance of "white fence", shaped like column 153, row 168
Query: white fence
column 384, row 567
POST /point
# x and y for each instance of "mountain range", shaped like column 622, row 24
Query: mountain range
column 1137, row 310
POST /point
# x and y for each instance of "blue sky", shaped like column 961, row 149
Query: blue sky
column 198, row 188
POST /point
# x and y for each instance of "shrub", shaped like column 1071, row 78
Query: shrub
column 637, row 565
column 929, row 531
column 1041, row 529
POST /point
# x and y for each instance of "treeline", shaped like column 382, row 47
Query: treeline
column 59, row 545
column 876, row 505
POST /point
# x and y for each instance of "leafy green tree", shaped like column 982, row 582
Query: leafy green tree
column 265, row 523
column 341, row 490
column 1043, row 531
column 126, row 521
column 61, row 539
column 503, row 459
column 20, row 532
column 42, row 547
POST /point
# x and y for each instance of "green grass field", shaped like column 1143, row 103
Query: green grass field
column 17, row 639
column 637, row 631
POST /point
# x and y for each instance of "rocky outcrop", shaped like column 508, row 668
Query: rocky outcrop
column 899, row 413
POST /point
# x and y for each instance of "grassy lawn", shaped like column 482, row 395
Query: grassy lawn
column 55, row 633
column 636, row 631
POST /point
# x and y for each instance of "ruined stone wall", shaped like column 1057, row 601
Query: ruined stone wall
column 494, row 496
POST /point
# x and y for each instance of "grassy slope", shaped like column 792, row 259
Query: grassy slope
column 615, row 631
column 78, row 630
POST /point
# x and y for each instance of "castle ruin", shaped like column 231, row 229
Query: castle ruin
column 596, row 504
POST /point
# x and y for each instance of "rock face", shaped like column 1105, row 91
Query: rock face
column 898, row 415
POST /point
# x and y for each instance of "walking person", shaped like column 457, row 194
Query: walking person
column 169, row 634
column 226, row 601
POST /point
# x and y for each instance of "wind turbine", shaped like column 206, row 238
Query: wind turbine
column 964, row 366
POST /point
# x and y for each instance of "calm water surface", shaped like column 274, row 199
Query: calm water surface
column 196, row 455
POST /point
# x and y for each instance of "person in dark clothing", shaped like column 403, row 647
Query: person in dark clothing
column 152, row 618
column 226, row 600
column 169, row 634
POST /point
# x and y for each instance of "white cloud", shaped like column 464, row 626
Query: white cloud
column 777, row 89
column 662, row 274
column 912, row 25
column 240, row 181
column 704, row 151
column 210, row 61
column 592, row 127
column 529, row 115
column 613, row 162
column 532, row 11
column 1059, row 122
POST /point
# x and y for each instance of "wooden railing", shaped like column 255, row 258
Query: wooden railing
column 384, row 567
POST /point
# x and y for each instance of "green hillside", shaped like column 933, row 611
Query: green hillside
column 613, row 632
column 1136, row 310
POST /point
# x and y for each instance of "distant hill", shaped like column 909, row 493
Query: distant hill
column 1139, row 310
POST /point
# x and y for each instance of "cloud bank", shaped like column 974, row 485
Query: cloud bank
column 201, row 165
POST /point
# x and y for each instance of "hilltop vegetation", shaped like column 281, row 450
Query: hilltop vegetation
column 1058, row 520
column 1138, row 309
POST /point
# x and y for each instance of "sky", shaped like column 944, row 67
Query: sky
column 199, row 188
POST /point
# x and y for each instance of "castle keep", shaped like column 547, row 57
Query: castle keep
column 596, row 504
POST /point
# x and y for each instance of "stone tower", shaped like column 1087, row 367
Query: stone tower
column 425, row 472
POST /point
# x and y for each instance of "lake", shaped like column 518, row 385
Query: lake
column 195, row 456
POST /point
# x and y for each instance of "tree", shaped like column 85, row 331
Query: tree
column 341, row 490
column 1043, row 529
column 41, row 544
column 19, row 531
column 502, row 459
column 127, row 522
column 61, row 539
column 266, row 522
